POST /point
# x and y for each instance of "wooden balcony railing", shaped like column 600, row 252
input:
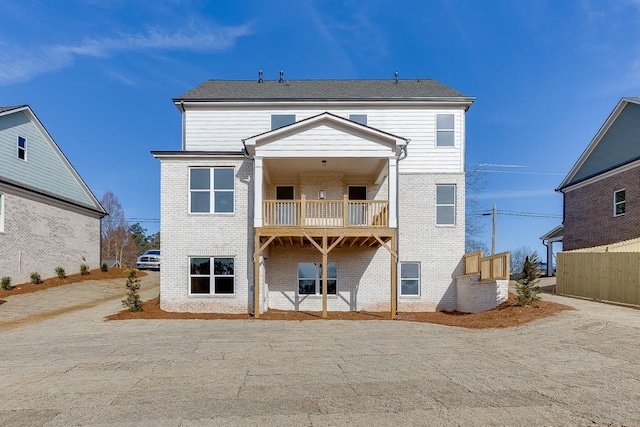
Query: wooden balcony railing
column 325, row 213
column 491, row 267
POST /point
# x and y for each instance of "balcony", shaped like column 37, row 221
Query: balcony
column 325, row 213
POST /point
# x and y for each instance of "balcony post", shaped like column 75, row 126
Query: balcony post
column 393, row 192
column 345, row 211
column 257, row 192
column 303, row 211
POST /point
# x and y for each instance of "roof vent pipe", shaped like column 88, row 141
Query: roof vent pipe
column 396, row 74
column 260, row 76
column 281, row 77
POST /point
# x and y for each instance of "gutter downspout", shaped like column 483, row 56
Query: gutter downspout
column 403, row 155
column 247, row 156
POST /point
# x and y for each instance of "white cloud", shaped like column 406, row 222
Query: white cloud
column 21, row 63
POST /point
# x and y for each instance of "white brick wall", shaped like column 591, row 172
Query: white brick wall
column 439, row 249
column 38, row 237
column 185, row 235
column 363, row 279
column 474, row 296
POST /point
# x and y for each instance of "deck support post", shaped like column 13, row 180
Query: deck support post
column 394, row 276
column 256, row 277
column 325, row 252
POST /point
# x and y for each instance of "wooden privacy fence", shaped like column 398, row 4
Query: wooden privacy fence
column 491, row 267
column 607, row 276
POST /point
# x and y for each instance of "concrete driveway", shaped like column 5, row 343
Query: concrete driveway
column 72, row 368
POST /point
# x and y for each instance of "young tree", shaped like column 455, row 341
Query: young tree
column 133, row 301
column 474, row 226
column 117, row 243
column 518, row 256
column 526, row 287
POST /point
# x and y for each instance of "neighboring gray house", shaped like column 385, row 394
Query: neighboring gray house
column 324, row 195
column 48, row 215
column 602, row 190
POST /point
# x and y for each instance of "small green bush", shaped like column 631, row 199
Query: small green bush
column 35, row 278
column 132, row 301
column 84, row 269
column 61, row 273
column 526, row 287
column 104, row 267
column 5, row 283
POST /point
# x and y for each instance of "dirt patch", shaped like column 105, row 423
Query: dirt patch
column 27, row 288
column 506, row 315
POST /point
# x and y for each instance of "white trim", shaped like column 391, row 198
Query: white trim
column 411, row 278
column 212, row 191
column 454, row 204
column 602, row 176
column 596, row 139
column 211, row 276
column 623, row 202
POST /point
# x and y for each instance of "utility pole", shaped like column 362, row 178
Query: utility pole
column 493, row 233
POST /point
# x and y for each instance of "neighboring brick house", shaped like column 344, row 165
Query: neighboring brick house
column 310, row 189
column 48, row 216
column 602, row 190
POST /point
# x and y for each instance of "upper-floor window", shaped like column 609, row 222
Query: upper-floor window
column 310, row 278
column 358, row 118
column 211, row 190
column 445, row 130
column 1, row 212
column 619, row 202
column 280, row 120
column 22, row 148
column 218, row 280
column 445, row 204
column 410, row 278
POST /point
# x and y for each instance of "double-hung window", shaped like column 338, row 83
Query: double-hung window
column 310, row 278
column 410, row 278
column 219, row 280
column 22, row 148
column 619, row 202
column 211, row 190
column 446, row 204
column 445, row 130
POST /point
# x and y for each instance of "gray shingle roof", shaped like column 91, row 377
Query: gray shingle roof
column 13, row 107
column 322, row 90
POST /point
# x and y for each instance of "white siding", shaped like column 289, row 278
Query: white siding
column 215, row 129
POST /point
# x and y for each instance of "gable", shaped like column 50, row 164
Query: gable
column 617, row 144
column 325, row 135
column 46, row 169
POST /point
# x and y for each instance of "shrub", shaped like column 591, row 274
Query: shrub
column 104, row 267
column 5, row 283
column 526, row 286
column 132, row 301
column 61, row 273
column 35, row 278
column 84, row 269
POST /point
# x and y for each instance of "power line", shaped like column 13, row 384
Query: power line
column 519, row 213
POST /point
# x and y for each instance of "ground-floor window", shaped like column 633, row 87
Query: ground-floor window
column 217, row 281
column 410, row 278
column 310, row 278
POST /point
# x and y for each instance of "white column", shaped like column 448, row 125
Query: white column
column 257, row 192
column 393, row 192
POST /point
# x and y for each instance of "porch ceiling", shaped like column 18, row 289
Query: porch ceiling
column 350, row 167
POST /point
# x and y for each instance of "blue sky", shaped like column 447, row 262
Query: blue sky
column 100, row 75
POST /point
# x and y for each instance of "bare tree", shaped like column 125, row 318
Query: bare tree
column 117, row 243
column 518, row 256
column 474, row 226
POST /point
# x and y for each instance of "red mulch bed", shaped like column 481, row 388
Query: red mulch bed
column 27, row 288
column 506, row 315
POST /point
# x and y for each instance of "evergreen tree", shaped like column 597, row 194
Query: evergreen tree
column 526, row 286
column 133, row 287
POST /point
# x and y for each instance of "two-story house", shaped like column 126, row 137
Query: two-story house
column 602, row 190
column 332, row 195
column 48, row 216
